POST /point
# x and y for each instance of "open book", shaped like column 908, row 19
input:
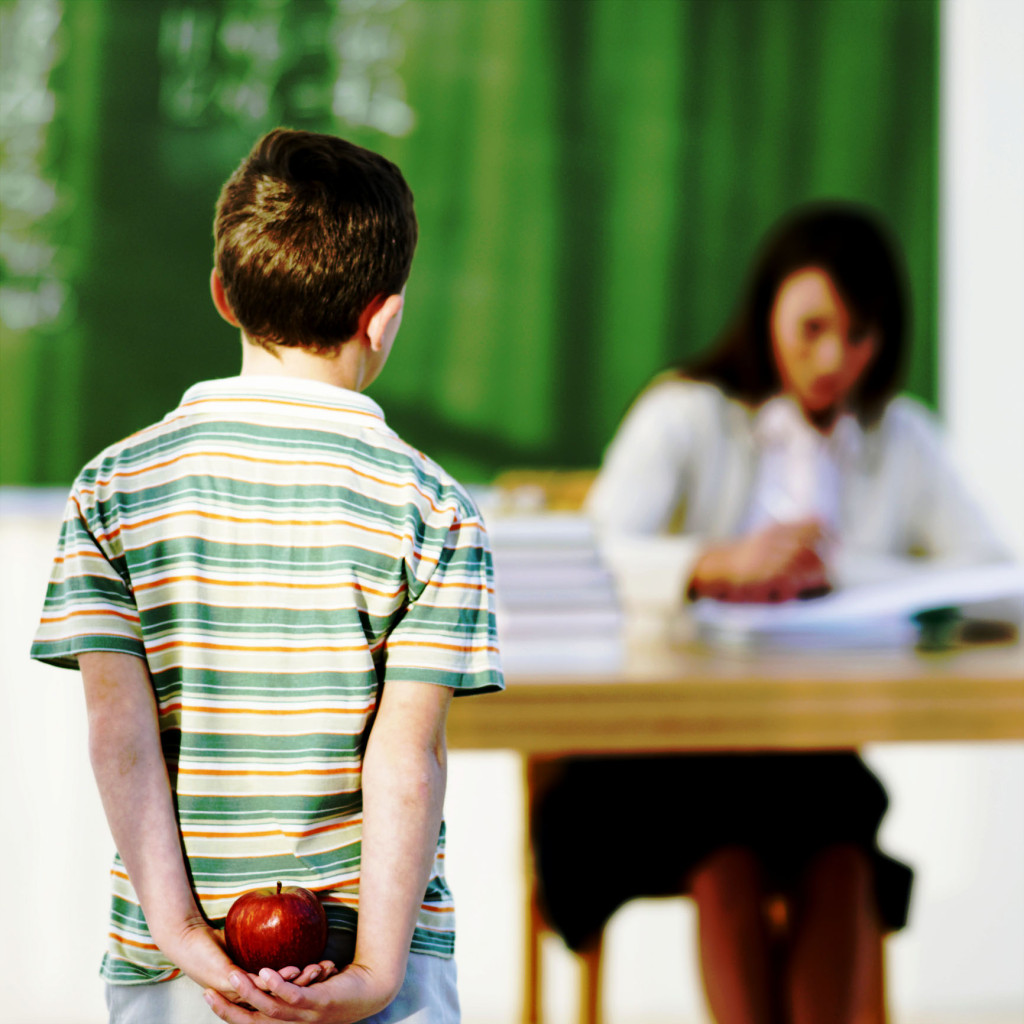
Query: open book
column 876, row 614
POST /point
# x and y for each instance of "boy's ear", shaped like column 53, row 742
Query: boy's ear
column 220, row 299
column 378, row 316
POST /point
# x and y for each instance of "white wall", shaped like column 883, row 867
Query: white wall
column 56, row 851
column 982, row 229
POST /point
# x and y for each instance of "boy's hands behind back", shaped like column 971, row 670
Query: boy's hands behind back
column 199, row 951
column 352, row 995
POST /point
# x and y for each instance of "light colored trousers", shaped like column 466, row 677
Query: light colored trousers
column 427, row 996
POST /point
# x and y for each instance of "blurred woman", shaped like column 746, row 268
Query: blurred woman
column 777, row 468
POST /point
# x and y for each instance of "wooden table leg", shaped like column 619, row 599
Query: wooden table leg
column 533, row 1009
column 589, row 963
column 538, row 773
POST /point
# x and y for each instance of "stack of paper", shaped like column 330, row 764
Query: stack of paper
column 874, row 615
column 557, row 607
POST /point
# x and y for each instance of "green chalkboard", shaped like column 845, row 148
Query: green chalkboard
column 591, row 180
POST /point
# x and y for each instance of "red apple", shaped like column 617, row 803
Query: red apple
column 283, row 927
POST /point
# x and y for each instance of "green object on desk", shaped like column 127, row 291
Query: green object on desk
column 938, row 628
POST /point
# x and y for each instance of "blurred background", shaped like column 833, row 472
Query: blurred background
column 591, row 180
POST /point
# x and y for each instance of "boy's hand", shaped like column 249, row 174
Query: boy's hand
column 403, row 794
column 200, row 952
column 307, row 976
column 352, row 995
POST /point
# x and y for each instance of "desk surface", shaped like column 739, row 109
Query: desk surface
column 692, row 698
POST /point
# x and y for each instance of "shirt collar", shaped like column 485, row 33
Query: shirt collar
column 279, row 397
column 780, row 423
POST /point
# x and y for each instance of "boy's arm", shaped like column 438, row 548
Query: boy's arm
column 404, row 777
column 405, row 772
column 127, row 760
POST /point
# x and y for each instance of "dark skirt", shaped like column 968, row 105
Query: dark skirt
column 610, row 829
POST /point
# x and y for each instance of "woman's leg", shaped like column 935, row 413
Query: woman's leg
column 835, row 933
column 872, row 1005
column 734, row 943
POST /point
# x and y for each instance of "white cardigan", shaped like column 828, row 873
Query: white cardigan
column 681, row 470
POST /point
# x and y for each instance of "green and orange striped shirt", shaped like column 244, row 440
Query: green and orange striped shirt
column 275, row 552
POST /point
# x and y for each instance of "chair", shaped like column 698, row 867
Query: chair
column 590, row 1010
column 539, row 772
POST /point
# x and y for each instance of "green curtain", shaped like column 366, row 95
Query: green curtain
column 591, row 179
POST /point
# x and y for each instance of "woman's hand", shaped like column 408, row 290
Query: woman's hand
column 778, row 563
column 352, row 995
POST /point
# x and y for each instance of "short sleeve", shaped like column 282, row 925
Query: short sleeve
column 448, row 633
column 89, row 605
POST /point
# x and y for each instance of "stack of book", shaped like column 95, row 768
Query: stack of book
column 557, row 607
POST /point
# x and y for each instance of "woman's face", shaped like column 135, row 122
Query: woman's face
column 820, row 349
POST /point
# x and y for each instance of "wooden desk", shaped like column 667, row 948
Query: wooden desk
column 693, row 698
column 688, row 698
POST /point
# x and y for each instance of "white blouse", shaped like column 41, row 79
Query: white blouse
column 689, row 466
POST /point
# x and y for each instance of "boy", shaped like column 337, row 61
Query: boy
column 272, row 599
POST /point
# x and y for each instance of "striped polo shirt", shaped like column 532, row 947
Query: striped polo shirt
column 274, row 551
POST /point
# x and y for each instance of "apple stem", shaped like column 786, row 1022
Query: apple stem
column 279, row 888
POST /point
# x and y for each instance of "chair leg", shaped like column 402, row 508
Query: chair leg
column 536, row 771
column 591, row 1010
column 533, row 988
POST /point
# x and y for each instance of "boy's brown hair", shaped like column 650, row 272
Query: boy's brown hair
column 308, row 231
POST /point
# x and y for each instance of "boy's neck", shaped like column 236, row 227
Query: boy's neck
column 342, row 367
